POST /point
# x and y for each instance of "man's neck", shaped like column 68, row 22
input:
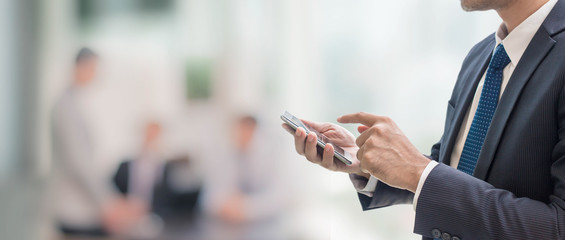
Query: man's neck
column 518, row 11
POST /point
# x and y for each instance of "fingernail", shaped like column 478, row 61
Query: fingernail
column 310, row 138
column 328, row 149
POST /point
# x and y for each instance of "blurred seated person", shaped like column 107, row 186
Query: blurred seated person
column 84, row 203
column 243, row 195
column 149, row 178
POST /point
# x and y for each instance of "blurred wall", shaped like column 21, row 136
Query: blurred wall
column 8, row 87
column 20, row 183
column 18, row 63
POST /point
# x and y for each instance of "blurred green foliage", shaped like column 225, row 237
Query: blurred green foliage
column 199, row 79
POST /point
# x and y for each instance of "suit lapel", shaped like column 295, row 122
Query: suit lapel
column 540, row 45
column 469, row 87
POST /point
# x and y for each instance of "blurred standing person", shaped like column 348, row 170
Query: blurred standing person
column 243, row 195
column 83, row 201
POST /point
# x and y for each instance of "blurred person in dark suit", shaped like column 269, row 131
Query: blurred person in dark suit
column 244, row 196
column 84, row 204
column 149, row 178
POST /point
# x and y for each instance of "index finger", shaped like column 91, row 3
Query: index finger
column 360, row 117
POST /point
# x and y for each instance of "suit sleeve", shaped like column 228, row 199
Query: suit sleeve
column 121, row 178
column 385, row 195
column 471, row 208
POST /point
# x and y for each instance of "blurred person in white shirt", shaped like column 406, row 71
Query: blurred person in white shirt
column 244, row 196
column 84, row 203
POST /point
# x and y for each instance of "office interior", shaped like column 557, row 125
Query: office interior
column 198, row 67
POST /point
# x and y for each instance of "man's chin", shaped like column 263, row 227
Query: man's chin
column 484, row 5
column 473, row 5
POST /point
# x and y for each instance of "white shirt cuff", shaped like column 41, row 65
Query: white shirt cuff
column 423, row 178
column 364, row 186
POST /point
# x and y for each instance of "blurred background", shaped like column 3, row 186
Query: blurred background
column 167, row 125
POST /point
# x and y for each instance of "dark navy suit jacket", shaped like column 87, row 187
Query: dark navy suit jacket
column 168, row 203
column 518, row 188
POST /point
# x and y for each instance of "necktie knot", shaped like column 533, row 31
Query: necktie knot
column 500, row 58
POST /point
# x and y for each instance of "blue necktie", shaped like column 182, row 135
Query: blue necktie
column 485, row 111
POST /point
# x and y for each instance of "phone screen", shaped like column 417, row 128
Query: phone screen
column 295, row 123
column 324, row 139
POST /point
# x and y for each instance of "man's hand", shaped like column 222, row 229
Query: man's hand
column 385, row 152
column 121, row 214
column 232, row 210
column 306, row 145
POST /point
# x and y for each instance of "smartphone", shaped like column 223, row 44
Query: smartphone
column 295, row 123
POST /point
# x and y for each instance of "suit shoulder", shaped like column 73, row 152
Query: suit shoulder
column 126, row 162
column 480, row 46
column 123, row 166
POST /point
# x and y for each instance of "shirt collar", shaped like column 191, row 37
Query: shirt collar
column 516, row 42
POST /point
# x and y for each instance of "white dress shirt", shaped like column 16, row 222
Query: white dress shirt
column 515, row 44
column 145, row 172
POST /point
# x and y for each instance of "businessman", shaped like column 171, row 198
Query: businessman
column 83, row 202
column 498, row 171
column 80, row 193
